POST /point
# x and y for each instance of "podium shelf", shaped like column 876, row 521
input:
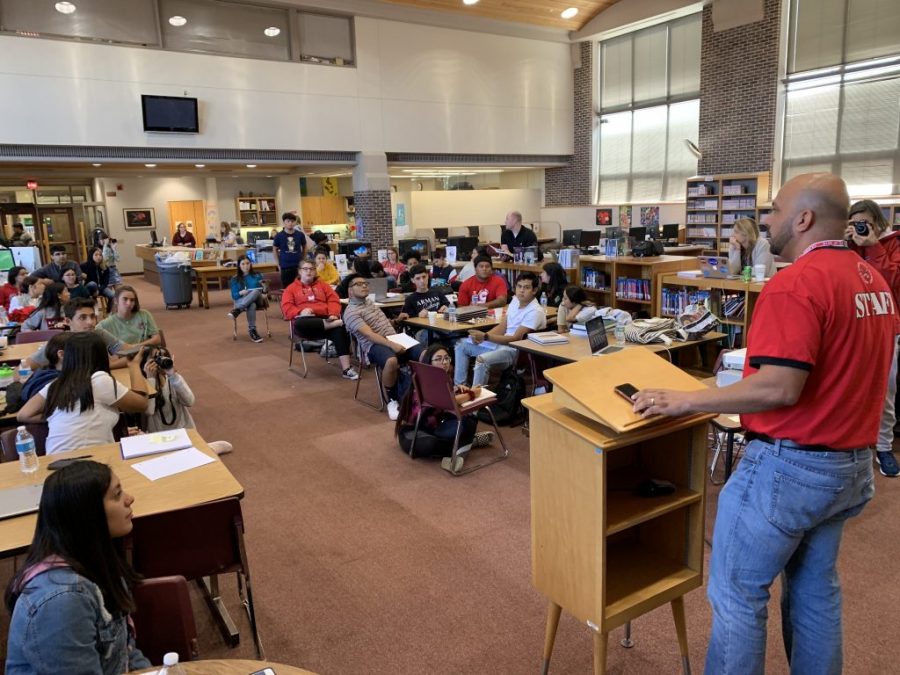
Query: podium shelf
column 624, row 510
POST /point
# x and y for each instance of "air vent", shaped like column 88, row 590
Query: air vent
column 97, row 152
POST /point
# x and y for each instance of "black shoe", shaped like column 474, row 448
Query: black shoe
column 234, row 314
column 256, row 337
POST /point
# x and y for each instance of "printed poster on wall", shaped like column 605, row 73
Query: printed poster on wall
column 604, row 217
column 400, row 217
column 625, row 216
column 649, row 216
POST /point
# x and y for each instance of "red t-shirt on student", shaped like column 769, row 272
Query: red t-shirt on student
column 832, row 314
column 474, row 291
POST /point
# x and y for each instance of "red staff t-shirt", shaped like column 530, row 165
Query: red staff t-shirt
column 833, row 315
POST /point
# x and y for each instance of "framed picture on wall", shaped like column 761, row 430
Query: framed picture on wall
column 139, row 219
column 604, row 217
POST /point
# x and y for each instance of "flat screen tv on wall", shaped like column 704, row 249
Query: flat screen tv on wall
column 170, row 114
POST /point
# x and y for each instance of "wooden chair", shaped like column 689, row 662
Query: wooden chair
column 198, row 542
column 435, row 390
column 8, row 441
column 363, row 365
column 164, row 619
column 35, row 336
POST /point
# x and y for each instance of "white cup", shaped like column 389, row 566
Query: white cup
column 371, row 297
column 498, row 313
column 432, row 317
column 759, row 272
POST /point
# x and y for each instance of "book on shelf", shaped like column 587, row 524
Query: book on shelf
column 632, row 289
column 548, row 338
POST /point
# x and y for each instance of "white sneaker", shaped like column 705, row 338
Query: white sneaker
column 350, row 374
column 393, row 409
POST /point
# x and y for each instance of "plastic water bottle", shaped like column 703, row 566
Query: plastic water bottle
column 620, row 331
column 544, row 302
column 24, row 371
column 171, row 665
column 451, row 312
column 28, row 460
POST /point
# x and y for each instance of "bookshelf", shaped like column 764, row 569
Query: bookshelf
column 713, row 203
column 256, row 211
column 626, row 282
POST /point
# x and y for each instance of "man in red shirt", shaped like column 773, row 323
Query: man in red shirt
column 315, row 309
column 820, row 344
column 485, row 288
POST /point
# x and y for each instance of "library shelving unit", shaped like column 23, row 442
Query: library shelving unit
column 600, row 551
column 732, row 300
column 626, row 282
column 713, row 203
column 256, row 211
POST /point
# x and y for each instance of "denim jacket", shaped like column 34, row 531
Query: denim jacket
column 60, row 625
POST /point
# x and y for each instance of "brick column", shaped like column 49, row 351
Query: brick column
column 738, row 91
column 372, row 200
column 571, row 185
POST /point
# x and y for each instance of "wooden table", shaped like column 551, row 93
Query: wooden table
column 234, row 667
column 220, row 272
column 683, row 249
column 444, row 327
column 17, row 352
column 578, row 347
column 207, row 483
column 147, row 255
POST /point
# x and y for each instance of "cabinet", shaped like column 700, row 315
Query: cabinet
column 714, row 202
column 627, row 282
column 193, row 214
column 256, row 211
column 328, row 210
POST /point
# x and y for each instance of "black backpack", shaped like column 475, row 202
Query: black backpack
column 647, row 249
column 508, row 410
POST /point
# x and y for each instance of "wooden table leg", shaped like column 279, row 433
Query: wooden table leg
column 600, row 641
column 553, row 612
column 681, row 632
column 204, row 285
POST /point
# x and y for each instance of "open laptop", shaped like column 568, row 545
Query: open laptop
column 599, row 342
column 378, row 286
column 715, row 268
column 19, row 501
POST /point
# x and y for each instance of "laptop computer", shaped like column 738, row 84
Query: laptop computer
column 378, row 286
column 597, row 338
column 715, row 268
column 19, row 501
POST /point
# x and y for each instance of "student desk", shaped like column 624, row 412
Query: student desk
column 445, row 328
column 232, row 667
column 207, row 483
column 578, row 348
column 15, row 353
column 221, row 274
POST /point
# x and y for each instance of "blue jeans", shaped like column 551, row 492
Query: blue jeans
column 783, row 512
column 248, row 303
column 486, row 359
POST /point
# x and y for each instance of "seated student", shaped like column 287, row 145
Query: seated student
column 59, row 263
column 248, row 294
column 378, row 272
column 485, row 288
column 468, row 270
column 315, row 309
column 361, row 267
column 13, row 286
column 404, row 281
column 71, row 598
column 490, row 349
column 30, row 296
column 48, row 314
column 183, row 237
column 82, row 405
column 423, row 299
column 76, row 289
column 97, row 274
column 371, row 328
column 553, row 283
column 111, row 258
column 442, row 426
column 325, row 269
column 168, row 407
column 441, row 269
column 17, row 392
column 575, row 307
column 392, row 265
column 129, row 322
column 746, row 248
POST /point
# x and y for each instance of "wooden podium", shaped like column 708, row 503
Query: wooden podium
column 599, row 550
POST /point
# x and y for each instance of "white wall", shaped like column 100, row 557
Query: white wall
column 585, row 217
column 416, row 89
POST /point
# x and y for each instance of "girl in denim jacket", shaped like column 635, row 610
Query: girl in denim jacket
column 71, row 599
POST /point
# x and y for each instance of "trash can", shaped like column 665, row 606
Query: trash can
column 175, row 279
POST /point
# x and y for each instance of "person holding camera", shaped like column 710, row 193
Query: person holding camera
column 870, row 236
column 747, row 249
column 169, row 407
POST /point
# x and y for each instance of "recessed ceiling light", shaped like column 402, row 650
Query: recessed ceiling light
column 569, row 13
column 95, row 164
column 199, row 166
column 251, row 166
column 65, row 7
column 470, row 2
column 149, row 166
column 177, row 20
column 272, row 31
column 268, row 176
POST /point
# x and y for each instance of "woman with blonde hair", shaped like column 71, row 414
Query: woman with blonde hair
column 746, row 248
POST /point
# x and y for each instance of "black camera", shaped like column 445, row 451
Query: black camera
column 861, row 227
column 163, row 360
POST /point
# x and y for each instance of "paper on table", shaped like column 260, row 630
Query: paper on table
column 169, row 465
column 485, row 393
column 735, row 418
column 403, row 340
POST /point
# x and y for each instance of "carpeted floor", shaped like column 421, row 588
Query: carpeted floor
column 364, row 561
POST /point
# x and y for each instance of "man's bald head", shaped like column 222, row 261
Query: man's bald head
column 808, row 208
column 826, row 196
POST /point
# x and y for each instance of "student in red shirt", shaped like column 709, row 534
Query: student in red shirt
column 13, row 286
column 485, row 288
column 821, row 342
column 315, row 309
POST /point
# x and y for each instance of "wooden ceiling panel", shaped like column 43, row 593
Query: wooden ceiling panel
column 537, row 12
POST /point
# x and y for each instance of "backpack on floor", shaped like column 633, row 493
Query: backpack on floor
column 508, row 410
column 427, row 445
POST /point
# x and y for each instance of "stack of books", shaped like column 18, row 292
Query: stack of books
column 548, row 338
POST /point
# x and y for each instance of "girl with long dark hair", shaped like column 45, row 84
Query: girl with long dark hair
column 97, row 274
column 248, row 294
column 71, row 599
column 82, row 405
column 48, row 314
column 13, row 286
column 553, row 283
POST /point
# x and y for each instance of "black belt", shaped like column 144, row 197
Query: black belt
column 753, row 436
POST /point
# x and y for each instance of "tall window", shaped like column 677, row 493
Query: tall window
column 649, row 104
column 842, row 109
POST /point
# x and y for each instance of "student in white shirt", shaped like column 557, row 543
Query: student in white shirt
column 82, row 405
column 491, row 350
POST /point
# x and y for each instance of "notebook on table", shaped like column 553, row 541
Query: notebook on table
column 548, row 338
column 151, row 444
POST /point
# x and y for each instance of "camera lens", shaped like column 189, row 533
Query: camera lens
column 862, row 227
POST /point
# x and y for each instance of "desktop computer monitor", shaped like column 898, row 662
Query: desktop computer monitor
column 355, row 249
column 670, row 232
column 653, row 231
column 407, row 245
column 637, row 233
column 590, row 238
column 571, row 238
column 441, row 233
column 464, row 246
column 6, row 261
column 254, row 236
column 474, row 231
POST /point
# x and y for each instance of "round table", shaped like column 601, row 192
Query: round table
column 235, row 667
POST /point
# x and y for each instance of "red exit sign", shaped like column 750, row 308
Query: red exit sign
column 32, row 185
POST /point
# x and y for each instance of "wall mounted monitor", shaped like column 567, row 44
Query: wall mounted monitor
column 355, row 249
column 464, row 246
column 590, row 238
column 571, row 238
column 170, row 114
column 670, row 231
column 407, row 245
